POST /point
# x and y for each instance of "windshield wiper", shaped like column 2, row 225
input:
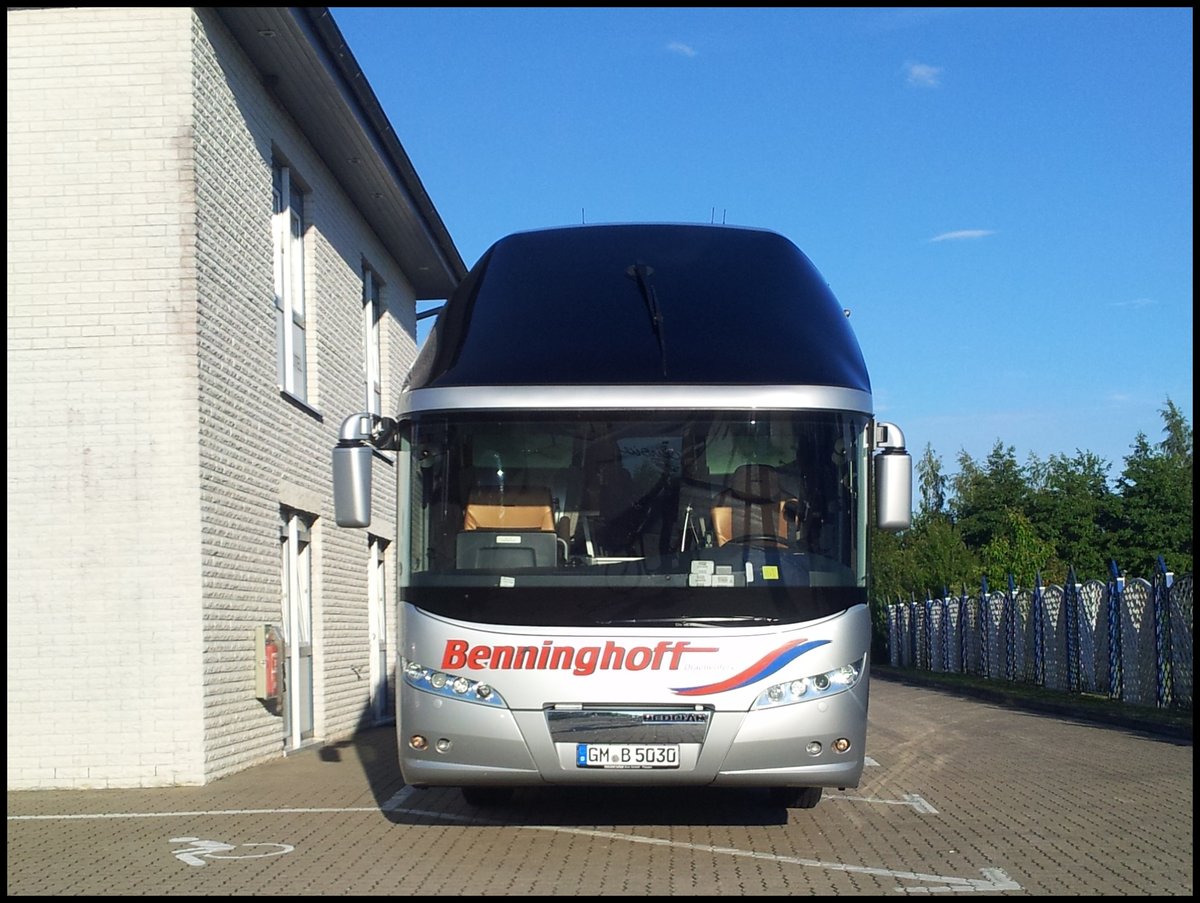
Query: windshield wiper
column 690, row 622
column 640, row 273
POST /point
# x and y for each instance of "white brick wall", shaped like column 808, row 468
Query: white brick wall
column 149, row 448
column 104, row 606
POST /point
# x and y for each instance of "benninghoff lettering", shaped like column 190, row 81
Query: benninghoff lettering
column 582, row 661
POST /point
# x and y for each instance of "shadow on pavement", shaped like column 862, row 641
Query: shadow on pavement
column 1164, row 725
column 600, row 807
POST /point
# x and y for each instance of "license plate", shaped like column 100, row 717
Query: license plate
column 627, row 755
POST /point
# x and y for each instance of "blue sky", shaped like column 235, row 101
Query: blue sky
column 1001, row 197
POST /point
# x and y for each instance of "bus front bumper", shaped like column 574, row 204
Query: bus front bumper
column 446, row 742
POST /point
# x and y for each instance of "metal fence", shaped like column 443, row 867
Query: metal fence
column 1128, row 639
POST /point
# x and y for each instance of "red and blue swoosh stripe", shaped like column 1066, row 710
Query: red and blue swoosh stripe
column 764, row 667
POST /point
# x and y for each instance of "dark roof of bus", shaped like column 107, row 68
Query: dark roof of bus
column 565, row 306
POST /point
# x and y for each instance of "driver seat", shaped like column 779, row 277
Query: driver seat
column 753, row 505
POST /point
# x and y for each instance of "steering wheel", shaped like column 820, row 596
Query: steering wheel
column 754, row 538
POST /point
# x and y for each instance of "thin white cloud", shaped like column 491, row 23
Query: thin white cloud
column 922, row 75
column 963, row 235
column 1135, row 303
column 681, row 48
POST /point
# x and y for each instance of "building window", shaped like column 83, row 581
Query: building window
column 295, row 538
column 378, row 635
column 372, row 315
column 288, row 232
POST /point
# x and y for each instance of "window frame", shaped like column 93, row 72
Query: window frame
column 372, row 330
column 296, row 575
column 291, row 324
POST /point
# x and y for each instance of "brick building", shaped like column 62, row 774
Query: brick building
column 215, row 246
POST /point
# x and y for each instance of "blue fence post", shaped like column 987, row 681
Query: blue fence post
column 1010, row 630
column 1038, row 615
column 946, row 629
column 927, row 639
column 889, row 612
column 984, row 620
column 1071, row 600
column 1116, row 600
column 914, row 648
column 963, row 605
column 1163, row 661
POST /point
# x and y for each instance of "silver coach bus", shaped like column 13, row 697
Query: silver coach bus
column 634, row 463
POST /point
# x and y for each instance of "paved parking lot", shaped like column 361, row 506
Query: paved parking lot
column 960, row 796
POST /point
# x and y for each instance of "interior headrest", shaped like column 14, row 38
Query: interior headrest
column 756, row 483
column 519, row 508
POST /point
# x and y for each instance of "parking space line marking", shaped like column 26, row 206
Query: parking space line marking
column 994, row 879
column 95, row 815
column 910, row 799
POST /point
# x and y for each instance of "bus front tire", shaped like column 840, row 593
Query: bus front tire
column 484, row 797
column 796, row 797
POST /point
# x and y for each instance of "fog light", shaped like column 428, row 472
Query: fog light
column 416, row 741
column 813, row 748
column 821, row 682
column 443, row 745
column 841, row 744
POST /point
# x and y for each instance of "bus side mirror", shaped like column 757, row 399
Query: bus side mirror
column 893, row 479
column 352, row 485
column 352, row 473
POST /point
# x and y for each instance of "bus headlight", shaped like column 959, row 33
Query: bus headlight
column 816, row 686
column 453, row 686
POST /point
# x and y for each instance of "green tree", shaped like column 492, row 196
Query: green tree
column 1156, row 508
column 891, row 579
column 1178, row 442
column 1001, row 518
column 892, row 573
column 1073, row 507
column 1016, row 549
column 940, row 558
column 984, row 495
column 931, row 482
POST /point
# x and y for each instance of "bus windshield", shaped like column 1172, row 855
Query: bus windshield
column 690, row 520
